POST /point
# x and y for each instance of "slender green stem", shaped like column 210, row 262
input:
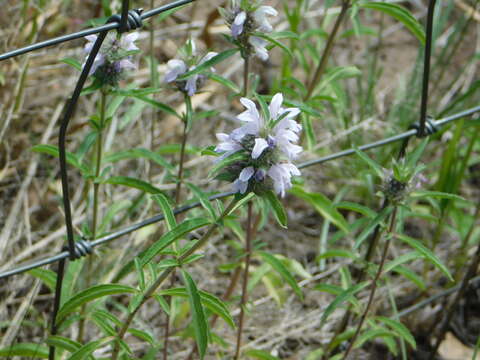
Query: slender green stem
column 374, row 284
column 96, row 185
column 373, row 243
column 153, row 83
column 322, row 64
column 246, row 69
column 243, row 302
column 186, row 123
column 164, row 275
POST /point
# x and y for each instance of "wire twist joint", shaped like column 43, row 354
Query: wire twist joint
column 429, row 129
column 81, row 248
column 134, row 20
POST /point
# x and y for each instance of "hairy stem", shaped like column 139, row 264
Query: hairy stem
column 243, row 302
column 322, row 64
column 164, row 275
column 374, row 284
column 178, row 190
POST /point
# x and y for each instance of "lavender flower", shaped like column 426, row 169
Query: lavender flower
column 178, row 67
column 268, row 146
column 113, row 58
column 244, row 21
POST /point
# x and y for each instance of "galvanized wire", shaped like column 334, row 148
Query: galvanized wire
column 157, row 218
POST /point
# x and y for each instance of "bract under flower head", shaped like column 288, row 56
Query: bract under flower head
column 113, row 58
column 245, row 20
column 268, row 146
column 178, row 67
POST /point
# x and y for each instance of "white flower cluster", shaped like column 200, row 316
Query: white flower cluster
column 244, row 22
column 269, row 144
column 177, row 67
column 114, row 56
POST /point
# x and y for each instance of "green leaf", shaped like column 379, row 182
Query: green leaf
column 399, row 328
column 225, row 82
column 336, row 253
column 143, row 335
column 372, row 225
column 274, row 42
column 64, row 343
column 90, row 294
column 401, row 14
column 372, row 334
column 167, row 210
column 210, row 301
column 377, row 168
column 133, row 183
column 429, row 255
column 436, row 194
column 260, row 354
column 198, row 316
column 139, row 153
column 72, row 62
column 48, row 277
column 323, row 205
column 71, row 158
column 208, row 64
column 278, row 209
column 89, row 348
column 203, row 198
column 278, row 266
column 225, row 162
column 401, row 260
column 168, row 238
column 361, row 209
column 158, row 105
column 26, row 350
column 342, row 297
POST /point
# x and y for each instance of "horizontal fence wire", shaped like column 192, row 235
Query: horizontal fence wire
column 95, row 30
column 157, row 218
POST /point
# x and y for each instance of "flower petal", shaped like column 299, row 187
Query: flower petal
column 275, row 105
column 246, row 173
column 260, row 145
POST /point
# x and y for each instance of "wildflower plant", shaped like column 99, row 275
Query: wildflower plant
column 115, row 57
column 188, row 61
column 259, row 154
column 248, row 22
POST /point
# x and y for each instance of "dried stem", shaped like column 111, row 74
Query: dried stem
column 374, row 284
column 243, row 302
column 328, row 49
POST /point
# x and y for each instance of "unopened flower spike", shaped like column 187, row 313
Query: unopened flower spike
column 262, row 148
column 114, row 57
column 245, row 20
column 401, row 180
column 189, row 61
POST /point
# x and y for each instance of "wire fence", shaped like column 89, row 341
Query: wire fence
column 130, row 20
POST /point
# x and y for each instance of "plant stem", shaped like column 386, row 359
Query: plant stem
column 374, row 284
column 471, row 271
column 243, row 303
column 246, row 69
column 373, row 243
column 96, row 185
column 186, row 122
column 164, row 275
column 328, row 49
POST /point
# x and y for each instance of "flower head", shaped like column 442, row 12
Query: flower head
column 113, row 58
column 245, row 20
column 401, row 180
column 266, row 144
column 178, row 67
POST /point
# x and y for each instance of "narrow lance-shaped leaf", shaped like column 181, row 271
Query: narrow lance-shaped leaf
column 401, row 14
column 277, row 207
column 400, row 329
column 278, row 266
column 200, row 325
column 208, row 64
column 323, row 205
column 25, row 350
column 91, row 294
column 167, row 210
column 132, row 183
column 427, row 253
